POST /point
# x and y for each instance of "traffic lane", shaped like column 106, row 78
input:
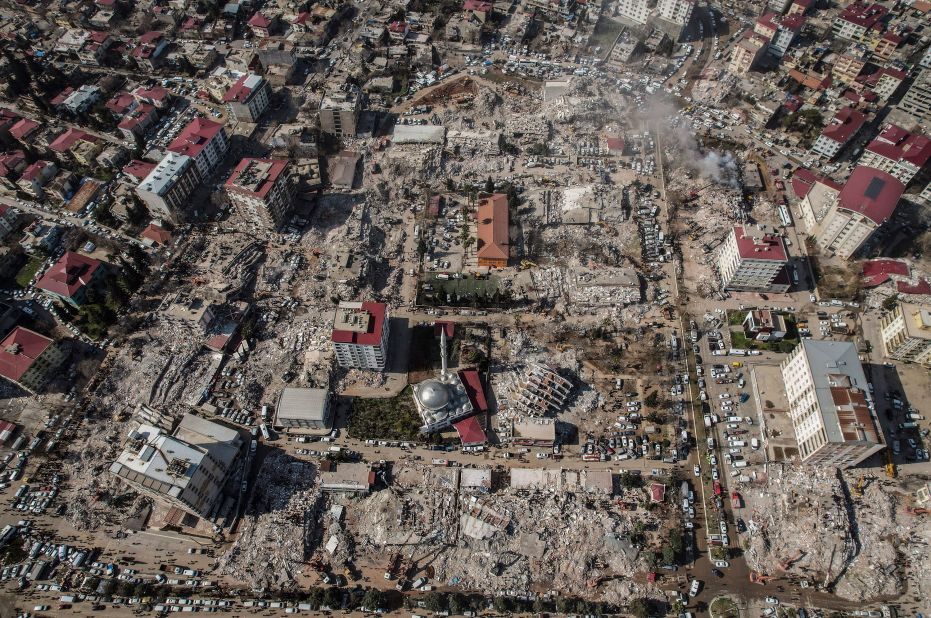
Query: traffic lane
column 55, row 216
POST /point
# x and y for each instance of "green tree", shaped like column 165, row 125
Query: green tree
column 331, row 597
column 669, row 555
column 502, row 604
column 639, row 608
column 489, row 185
column 436, row 602
column 373, row 599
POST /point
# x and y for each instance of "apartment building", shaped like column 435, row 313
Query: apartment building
column 248, row 97
column 829, row 404
column 637, row 11
column 857, row 20
column 360, row 335
column 676, row 11
column 897, row 152
column 917, row 100
column 31, row 360
column 339, row 113
column 845, row 125
column 71, row 276
column 868, row 199
column 747, row 52
column 204, row 141
column 786, row 34
column 186, row 469
column 264, row 187
column 886, row 81
column 166, row 188
column 848, row 65
column 906, row 333
column 753, row 261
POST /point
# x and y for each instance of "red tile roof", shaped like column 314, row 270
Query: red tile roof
column 150, row 37
column 372, row 334
column 23, row 128
column 862, row 14
column 876, row 272
column 33, row 171
column 156, row 234
column 66, row 140
column 259, row 20
column 138, row 169
column 19, row 350
column 136, row 116
column 920, row 287
column 482, row 6
column 847, row 121
column 793, row 22
column 492, row 219
column 61, row 96
column 871, row 193
column 470, row 432
column 238, row 92
column 657, row 492
column 472, row 381
column 897, row 144
column 194, row 137
column 155, row 94
column 71, row 273
column 13, row 159
column 264, row 184
column 764, row 247
column 120, row 102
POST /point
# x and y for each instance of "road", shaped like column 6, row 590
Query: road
column 57, row 215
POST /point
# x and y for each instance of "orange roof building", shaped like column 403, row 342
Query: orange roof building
column 493, row 243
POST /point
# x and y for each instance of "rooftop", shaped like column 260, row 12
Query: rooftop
column 166, row 173
column 240, row 91
column 19, row 350
column 897, row 144
column 195, row 136
column 69, row 274
column 760, row 246
column 302, row 403
column 492, row 216
column 846, row 122
column 359, row 323
column 256, row 176
column 871, row 193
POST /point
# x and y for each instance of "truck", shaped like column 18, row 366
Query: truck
column 708, row 421
column 440, row 462
column 740, row 464
column 906, row 426
column 266, row 435
column 420, row 581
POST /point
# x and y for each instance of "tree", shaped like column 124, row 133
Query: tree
column 502, row 604
column 639, row 608
column 331, row 597
column 373, row 599
column 457, row 603
column 436, row 602
column 489, row 185
column 890, row 302
column 669, row 555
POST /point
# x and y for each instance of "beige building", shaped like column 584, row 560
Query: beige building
column 167, row 187
column 752, row 261
column 829, row 404
column 906, row 333
column 339, row 113
column 264, row 187
column 746, row 53
column 187, row 469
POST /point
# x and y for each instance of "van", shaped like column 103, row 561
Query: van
column 755, row 443
column 740, row 464
column 915, row 417
column 265, row 433
column 909, row 425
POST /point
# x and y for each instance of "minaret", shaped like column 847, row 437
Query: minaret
column 443, row 349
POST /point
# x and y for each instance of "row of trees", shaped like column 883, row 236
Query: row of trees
column 456, row 603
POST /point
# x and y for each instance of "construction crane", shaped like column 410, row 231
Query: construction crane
column 692, row 196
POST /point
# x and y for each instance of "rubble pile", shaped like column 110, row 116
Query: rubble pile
column 274, row 541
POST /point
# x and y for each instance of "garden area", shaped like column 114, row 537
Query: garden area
column 26, row 273
column 465, row 292
column 385, row 419
column 741, row 341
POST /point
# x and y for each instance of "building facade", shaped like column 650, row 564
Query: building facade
column 829, row 404
column 339, row 113
column 264, row 187
column 868, row 199
column 248, row 98
column 167, row 187
column 845, row 125
column 360, row 335
column 898, row 153
column 204, row 141
column 906, row 333
column 917, row 100
column 31, row 360
column 753, row 263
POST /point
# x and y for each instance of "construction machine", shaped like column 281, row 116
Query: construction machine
column 857, row 490
column 759, row 578
column 786, row 564
column 891, row 472
column 525, row 264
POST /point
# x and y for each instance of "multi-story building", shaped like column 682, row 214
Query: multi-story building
column 848, row 65
column 637, row 11
column 204, row 141
column 778, row 6
column 846, row 123
column 31, row 360
column 264, row 187
column 360, row 335
column 884, row 47
column 786, row 33
column 897, row 152
column 831, row 410
column 149, row 52
column 753, row 263
column 304, row 409
column 36, row 176
column 71, row 276
column 868, row 199
column 857, row 20
column 339, row 113
column 493, row 248
column 747, row 52
column 676, row 11
column 137, row 121
column 906, row 333
column 248, row 97
column 186, row 469
column 917, row 100
column 166, row 188
column 886, row 81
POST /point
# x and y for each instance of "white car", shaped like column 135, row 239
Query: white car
column 724, row 396
column 694, row 588
column 696, row 470
column 772, row 600
column 722, row 564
